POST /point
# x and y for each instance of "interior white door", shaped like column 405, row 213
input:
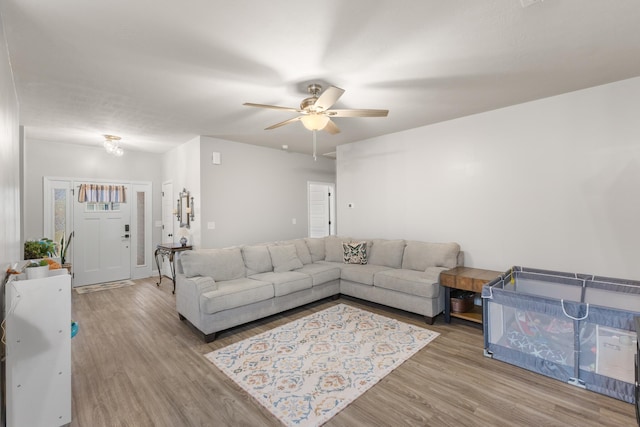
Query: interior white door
column 321, row 198
column 102, row 242
column 167, row 212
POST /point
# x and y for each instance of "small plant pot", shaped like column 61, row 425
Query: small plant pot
column 37, row 272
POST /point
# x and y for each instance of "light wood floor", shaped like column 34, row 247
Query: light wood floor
column 135, row 364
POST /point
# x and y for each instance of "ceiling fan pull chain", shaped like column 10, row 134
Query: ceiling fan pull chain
column 314, row 145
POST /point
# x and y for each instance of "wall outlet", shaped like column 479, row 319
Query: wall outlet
column 294, row 221
column 351, row 205
column 211, row 225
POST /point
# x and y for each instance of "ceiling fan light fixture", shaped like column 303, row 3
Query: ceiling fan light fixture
column 315, row 121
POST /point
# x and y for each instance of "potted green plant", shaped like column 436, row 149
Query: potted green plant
column 35, row 249
column 37, row 270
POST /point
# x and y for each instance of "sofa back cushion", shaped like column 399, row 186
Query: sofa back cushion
column 219, row 264
column 316, row 248
column 256, row 259
column 301, row 248
column 386, row 252
column 421, row 255
column 284, row 258
column 333, row 248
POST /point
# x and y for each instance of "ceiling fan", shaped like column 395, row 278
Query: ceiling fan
column 315, row 111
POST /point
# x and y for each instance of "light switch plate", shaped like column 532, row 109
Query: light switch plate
column 215, row 158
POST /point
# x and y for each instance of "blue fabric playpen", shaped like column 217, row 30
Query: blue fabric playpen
column 573, row 327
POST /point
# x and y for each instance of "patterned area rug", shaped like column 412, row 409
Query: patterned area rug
column 103, row 286
column 307, row 371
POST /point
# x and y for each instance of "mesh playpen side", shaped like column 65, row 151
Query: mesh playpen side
column 573, row 327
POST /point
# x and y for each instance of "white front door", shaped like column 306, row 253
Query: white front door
column 321, row 198
column 102, row 242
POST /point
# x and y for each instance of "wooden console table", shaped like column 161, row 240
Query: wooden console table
column 169, row 250
column 468, row 279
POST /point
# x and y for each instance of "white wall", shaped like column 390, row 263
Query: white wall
column 254, row 194
column 76, row 161
column 10, row 249
column 553, row 184
column 181, row 166
column 10, row 161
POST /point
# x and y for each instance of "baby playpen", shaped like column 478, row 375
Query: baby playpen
column 573, row 327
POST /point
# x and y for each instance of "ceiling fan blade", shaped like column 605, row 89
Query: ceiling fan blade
column 286, row 122
column 357, row 113
column 273, row 107
column 328, row 98
column 331, row 127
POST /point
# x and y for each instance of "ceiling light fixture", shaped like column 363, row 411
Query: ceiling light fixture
column 314, row 121
column 112, row 145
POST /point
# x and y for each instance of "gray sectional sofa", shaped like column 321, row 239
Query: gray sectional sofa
column 217, row 289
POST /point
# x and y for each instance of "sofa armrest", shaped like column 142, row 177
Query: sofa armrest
column 433, row 274
column 188, row 291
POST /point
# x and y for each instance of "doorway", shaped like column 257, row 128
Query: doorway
column 321, row 198
column 112, row 240
column 102, row 241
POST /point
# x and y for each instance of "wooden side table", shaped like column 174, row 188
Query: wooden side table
column 468, row 279
column 169, row 250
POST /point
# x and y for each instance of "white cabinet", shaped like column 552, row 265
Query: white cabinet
column 38, row 351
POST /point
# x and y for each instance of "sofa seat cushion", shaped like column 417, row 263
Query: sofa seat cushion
column 235, row 293
column 286, row 282
column 321, row 272
column 420, row 283
column 363, row 274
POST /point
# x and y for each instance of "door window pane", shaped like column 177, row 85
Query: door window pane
column 59, row 214
column 140, row 247
column 102, row 207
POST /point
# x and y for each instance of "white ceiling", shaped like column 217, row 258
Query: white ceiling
column 160, row 72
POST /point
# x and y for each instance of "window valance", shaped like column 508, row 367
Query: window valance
column 102, row 193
